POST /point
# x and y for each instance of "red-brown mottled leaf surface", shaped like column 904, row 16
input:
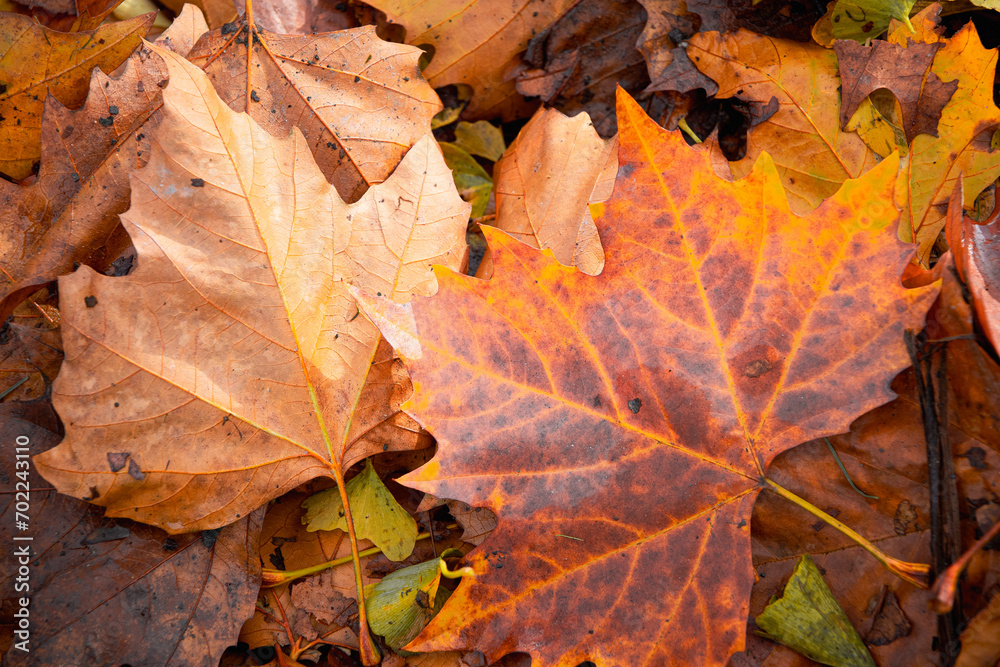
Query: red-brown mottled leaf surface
column 235, row 340
column 637, row 410
column 107, row 592
column 360, row 102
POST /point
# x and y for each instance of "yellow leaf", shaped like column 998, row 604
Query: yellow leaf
column 377, row 515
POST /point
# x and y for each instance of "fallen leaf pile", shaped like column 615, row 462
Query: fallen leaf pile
column 455, row 334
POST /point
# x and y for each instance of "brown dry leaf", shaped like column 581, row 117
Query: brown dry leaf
column 814, row 157
column 967, row 124
column 30, row 357
column 579, row 61
column 71, row 211
column 981, row 638
column 477, row 43
column 217, row 12
column 286, row 544
column 904, row 71
column 35, row 62
column 246, row 354
column 302, row 17
column 477, row 522
column 886, row 456
column 668, row 25
column 672, row 22
column 545, row 182
column 360, row 102
column 185, row 31
column 117, row 592
column 975, row 248
column 69, row 15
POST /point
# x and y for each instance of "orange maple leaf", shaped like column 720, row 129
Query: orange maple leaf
column 621, row 425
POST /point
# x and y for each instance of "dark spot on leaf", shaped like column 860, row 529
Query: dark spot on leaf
column 134, row 471
column 634, row 405
column 254, row 96
column 90, row 301
column 757, row 368
column 113, row 110
column 170, row 544
column 208, row 537
column 197, row 182
column 117, row 459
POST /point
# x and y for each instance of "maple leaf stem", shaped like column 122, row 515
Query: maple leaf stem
column 369, row 654
column 915, row 573
column 278, row 577
column 943, row 598
column 683, row 124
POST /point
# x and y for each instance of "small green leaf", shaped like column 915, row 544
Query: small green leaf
column 480, row 138
column 807, row 619
column 377, row 515
column 472, row 181
column 862, row 20
column 404, row 602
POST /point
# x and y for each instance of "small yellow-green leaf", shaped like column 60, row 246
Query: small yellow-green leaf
column 377, row 515
column 875, row 122
column 480, row 138
column 472, row 181
column 402, row 603
column 807, row 619
column 453, row 106
column 861, row 20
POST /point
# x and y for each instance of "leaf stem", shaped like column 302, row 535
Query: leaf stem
column 278, row 577
column 369, row 654
column 915, row 573
column 683, row 124
column 836, row 457
column 944, row 588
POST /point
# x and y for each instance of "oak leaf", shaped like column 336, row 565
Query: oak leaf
column 117, row 592
column 360, row 102
column 35, row 62
column 545, row 181
column 637, row 411
column 812, row 154
column 246, row 354
column 475, row 43
column 962, row 146
column 904, row 71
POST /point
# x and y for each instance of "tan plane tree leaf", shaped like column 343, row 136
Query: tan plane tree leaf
column 475, row 43
column 812, row 154
column 545, row 181
column 962, row 146
column 360, row 102
column 232, row 365
column 36, row 61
